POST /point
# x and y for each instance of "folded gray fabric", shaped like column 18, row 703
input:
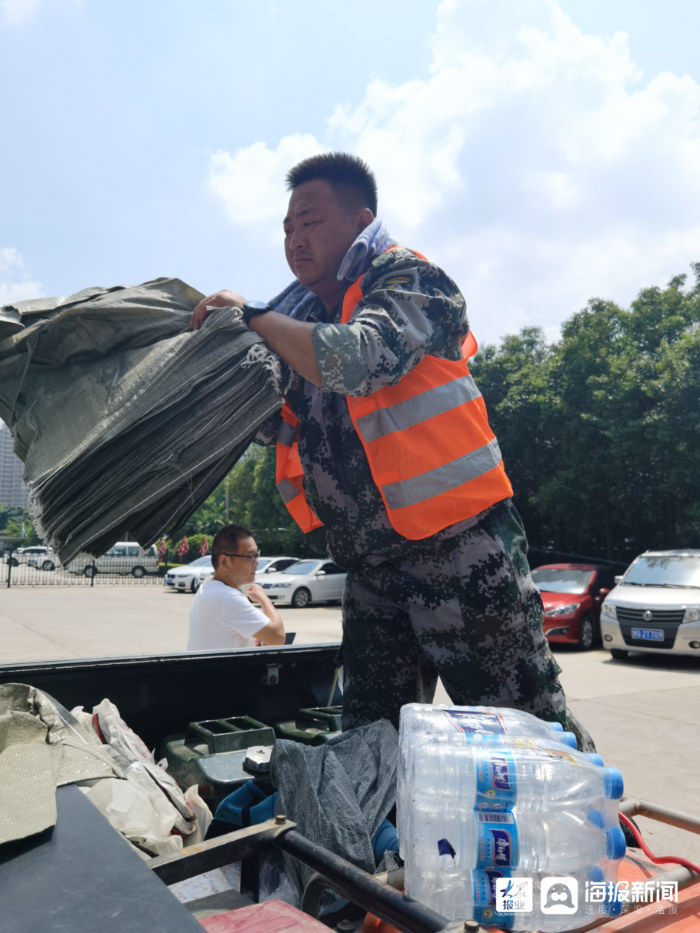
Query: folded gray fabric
column 338, row 794
column 126, row 419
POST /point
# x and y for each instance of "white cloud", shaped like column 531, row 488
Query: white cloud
column 17, row 11
column 531, row 161
column 250, row 183
column 15, row 284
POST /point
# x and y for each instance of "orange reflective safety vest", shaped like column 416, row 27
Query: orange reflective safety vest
column 431, row 452
column 289, row 474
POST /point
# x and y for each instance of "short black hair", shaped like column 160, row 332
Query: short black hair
column 227, row 540
column 350, row 177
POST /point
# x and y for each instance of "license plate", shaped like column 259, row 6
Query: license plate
column 648, row 634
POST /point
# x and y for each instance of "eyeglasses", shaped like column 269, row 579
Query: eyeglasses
column 250, row 557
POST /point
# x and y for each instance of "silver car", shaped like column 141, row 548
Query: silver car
column 655, row 606
column 267, row 565
column 305, row 582
column 273, row 564
column 190, row 576
column 39, row 556
column 122, row 558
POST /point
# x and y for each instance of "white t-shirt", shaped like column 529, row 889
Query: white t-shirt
column 221, row 617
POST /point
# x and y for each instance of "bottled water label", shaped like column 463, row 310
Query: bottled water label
column 521, row 741
column 496, row 786
column 484, row 893
column 549, row 752
column 479, row 722
column 497, row 840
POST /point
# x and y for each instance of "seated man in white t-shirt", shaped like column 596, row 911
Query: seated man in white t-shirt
column 221, row 616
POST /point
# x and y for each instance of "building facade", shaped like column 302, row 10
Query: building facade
column 12, row 489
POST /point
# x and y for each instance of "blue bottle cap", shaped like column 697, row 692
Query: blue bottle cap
column 385, row 839
column 557, row 726
column 594, row 758
column 568, row 738
column 596, row 817
column 595, row 873
column 613, row 783
column 615, row 842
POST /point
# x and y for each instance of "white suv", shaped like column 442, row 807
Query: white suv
column 655, row 606
column 123, row 557
column 36, row 555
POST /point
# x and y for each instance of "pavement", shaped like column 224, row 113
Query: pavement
column 643, row 712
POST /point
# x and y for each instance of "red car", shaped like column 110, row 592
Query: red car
column 572, row 594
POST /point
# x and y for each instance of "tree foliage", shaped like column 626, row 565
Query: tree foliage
column 599, row 431
column 248, row 496
column 13, row 520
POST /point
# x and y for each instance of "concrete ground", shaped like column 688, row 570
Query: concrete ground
column 643, row 713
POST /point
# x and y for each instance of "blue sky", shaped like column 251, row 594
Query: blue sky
column 543, row 153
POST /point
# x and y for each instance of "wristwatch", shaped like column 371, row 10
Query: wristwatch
column 252, row 308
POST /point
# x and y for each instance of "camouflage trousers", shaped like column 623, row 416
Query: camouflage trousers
column 463, row 608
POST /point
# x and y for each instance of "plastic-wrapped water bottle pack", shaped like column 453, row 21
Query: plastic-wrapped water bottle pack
column 502, row 820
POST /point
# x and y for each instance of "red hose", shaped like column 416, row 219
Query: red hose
column 657, row 859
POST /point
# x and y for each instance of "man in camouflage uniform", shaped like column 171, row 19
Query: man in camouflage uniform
column 459, row 603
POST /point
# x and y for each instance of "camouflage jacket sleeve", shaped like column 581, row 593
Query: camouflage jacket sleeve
column 268, row 430
column 409, row 308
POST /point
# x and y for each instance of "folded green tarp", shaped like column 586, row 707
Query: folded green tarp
column 126, row 419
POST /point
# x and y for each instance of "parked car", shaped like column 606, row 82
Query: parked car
column 655, row 605
column 267, row 565
column 572, row 595
column 190, row 576
column 273, row 564
column 122, row 558
column 36, row 555
column 305, row 582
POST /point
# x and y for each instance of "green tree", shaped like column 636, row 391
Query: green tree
column 13, row 519
column 513, row 381
column 599, row 431
column 253, row 500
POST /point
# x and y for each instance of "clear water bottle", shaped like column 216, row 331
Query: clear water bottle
column 480, row 725
column 527, row 900
column 489, row 725
column 444, row 776
column 558, row 841
column 504, row 777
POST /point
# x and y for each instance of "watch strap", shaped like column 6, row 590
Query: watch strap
column 251, row 309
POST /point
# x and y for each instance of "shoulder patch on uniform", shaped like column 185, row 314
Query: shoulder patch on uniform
column 396, row 281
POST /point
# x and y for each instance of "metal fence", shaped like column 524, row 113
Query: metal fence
column 18, row 568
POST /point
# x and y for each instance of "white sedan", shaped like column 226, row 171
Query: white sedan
column 190, row 576
column 305, row 582
column 267, row 565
